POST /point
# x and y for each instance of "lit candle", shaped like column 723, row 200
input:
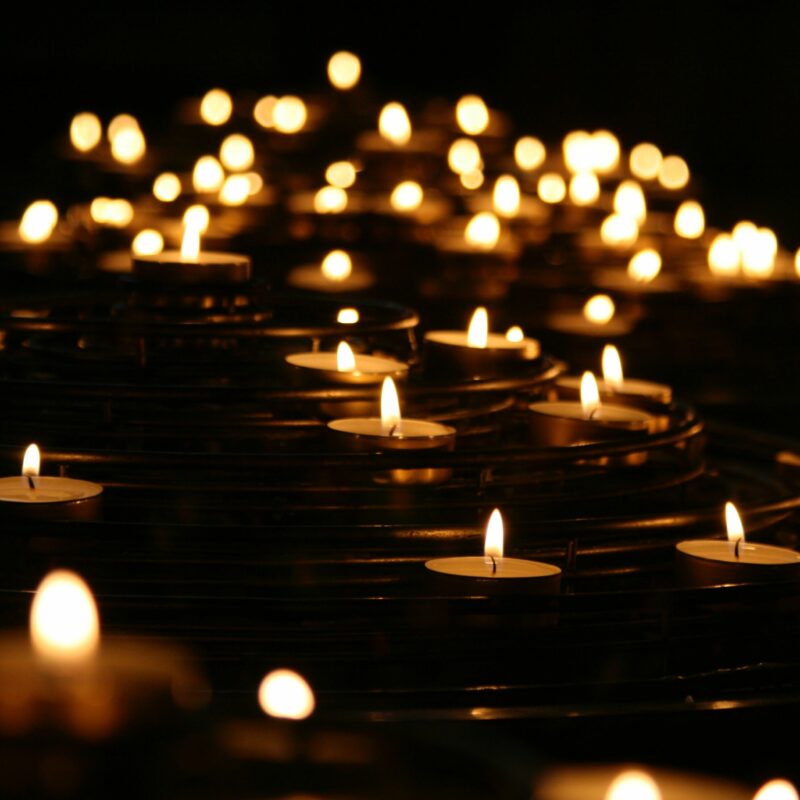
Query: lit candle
column 336, row 273
column 708, row 562
column 494, row 570
column 476, row 352
column 44, row 495
column 190, row 264
column 565, row 423
column 345, row 366
column 598, row 317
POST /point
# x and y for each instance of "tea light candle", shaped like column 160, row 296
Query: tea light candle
column 475, row 352
column 564, row 423
column 597, row 318
column 46, row 495
column 335, row 274
column 494, row 571
column 190, row 265
column 709, row 562
column 346, row 367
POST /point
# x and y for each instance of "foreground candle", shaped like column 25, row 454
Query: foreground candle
column 346, row 367
column 708, row 562
column 494, row 567
column 64, row 497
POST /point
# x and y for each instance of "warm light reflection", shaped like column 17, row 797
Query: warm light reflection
column 584, row 188
column 590, row 394
column 85, row 131
column 207, row 175
column 777, row 789
column 472, row 180
column 148, row 242
column 197, row 216
column 116, row 213
column 289, row 114
column 406, row 196
column 506, row 196
column 733, row 523
column 235, row 190
column 64, row 624
column 529, row 153
column 286, row 695
column 645, row 161
column 337, row 266
column 263, row 111
column 673, row 173
column 515, row 334
column 236, row 152
column 38, row 222
column 604, row 151
column 345, row 360
column 724, row 257
column 577, row 151
column 478, row 331
column 128, row 146
column 31, row 461
column 341, row 174
column 472, row 115
column 629, row 201
column 483, row 231
column 633, row 785
column 348, row 316
column 599, row 309
column 167, row 187
column 390, row 408
column 344, row 70
column 216, row 107
column 612, row 367
column 464, row 156
column 690, row 220
column 330, row 200
column 394, row 124
column 551, row 188
column 644, row 265
column 190, row 245
column 493, row 542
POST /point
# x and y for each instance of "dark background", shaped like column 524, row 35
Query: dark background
column 715, row 82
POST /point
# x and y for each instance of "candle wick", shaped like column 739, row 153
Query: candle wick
column 392, row 429
column 593, row 412
column 736, row 548
column 31, row 484
column 494, row 565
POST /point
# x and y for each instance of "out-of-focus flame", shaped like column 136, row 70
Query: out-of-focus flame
column 472, row 115
column 690, row 221
column 348, row 316
column 633, row 785
column 390, row 407
column 464, row 156
column 120, row 123
column 483, row 231
column 551, row 187
column 256, row 182
column 286, row 695
column 506, row 196
column 590, row 394
column 478, row 331
column 529, row 153
column 758, row 253
column 128, row 144
column 599, row 309
column 733, row 523
column 289, row 114
column 406, row 196
column 197, row 216
column 31, row 461
column 777, row 789
column 148, row 242
column 629, row 201
column 645, row 161
column 167, row 187
column 724, row 256
column 114, row 213
column 64, row 624
column 797, row 263
column 493, row 542
column 190, row 245
column 673, row 173
column 612, row 367
column 330, row 200
column 618, row 230
column 85, row 131
column 341, row 174
column 604, row 150
column 577, row 151
column 472, row 180
column 216, row 107
column 515, row 334
column 394, row 124
column 644, row 265
column 344, row 70
column 264, row 110
column 345, row 360
column 235, row 191
column 236, row 152
column 38, row 222
column 337, row 266
column 207, row 175
column 584, row 188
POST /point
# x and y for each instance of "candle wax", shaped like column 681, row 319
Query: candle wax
column 369, row 369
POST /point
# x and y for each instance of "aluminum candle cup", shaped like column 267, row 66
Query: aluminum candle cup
column 711, row 562
column 51, row 497
column 482, row 575
column 170, row 267
column 630, row 391
column 563, row 423
column 448, row 351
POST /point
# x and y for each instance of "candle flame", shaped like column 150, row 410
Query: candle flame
column 644, row 265
column 478, row 331
column 577, row 151
column 690, row 220
column 341, row 174
column 236, row 152
column 31, row 461
column 289, row 114
column 472, row 180
column 85, row 131
column 348, row 316
column 551, row 188
column 673, row 173
column 330, row 200
column 197, row 216
column 584, row 188
column 515, row 334
column 167, row 187
column 337, row 266
column 619, row 230
column 394, row 124
column 495, row 535
column 128, row 146
column 216, row 107
column 345, row 360
column 235, row 191
column 116, row 213
column 38, row 222
column 390, row 407
column 645, row 161
column 733, row 523
column 612, row 367
column 599, row 309
column 778, row 789
column 406, row 196
column 529, row 153
column 344, row 70
column 633, row 785
column 590, row 394
column 263, row 111
column 724, row 256
column 207, row 175
column 472, row 114
column 190, row 246
column 148, row 242
column 64, row 624
column 286, row 695
column 604, row 150
column 759, row 249
column 464, row 157
column 483, row 231
column 506, row 196
column 629, row 201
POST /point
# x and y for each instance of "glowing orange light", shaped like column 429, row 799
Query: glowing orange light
column 590, row 394
column 85, row 131
column 478, row 331
column 394, row 124
column 493, row 543
column 216, row 107
column 344, row 70
column 286, row 695
column 390, row 407
column 529, row 153
column 472, row 115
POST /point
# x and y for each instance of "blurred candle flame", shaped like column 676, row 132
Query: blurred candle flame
column 190, row 245
column 590, row 394
column 515, row 334
column 493, row 542
column 472, row 115
column 483, row 231
column 394, row 124
column 629, row 201
column 464, row 156
column 216, row 107
column 38, row 222
column 506, row 196
column 619, row 230
column 645, row 161
column 777, row 789
column 345, row 360
column 263, row 111
column 599, row 309
column 390, row 408
column 330, row 200
column 406, row 196
column 551, row 188
column 207, row 175
column 478, row 331
column 724, row 257
column 344, row 70
column 584, row 188
column 690, row 220
column 85, row 131
column 733, row 523
column 235, row 190
column 167, row 187
column 337, row 266
column 673, row 173
column 197, row 216
column 289, row 114
column 348, row 316
column 529, row 153
column 612, row 367
column 633, row 785
column 341, row 174
column 148, row 242
column 285, row 694
column 236, row 152
column 645, row 265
